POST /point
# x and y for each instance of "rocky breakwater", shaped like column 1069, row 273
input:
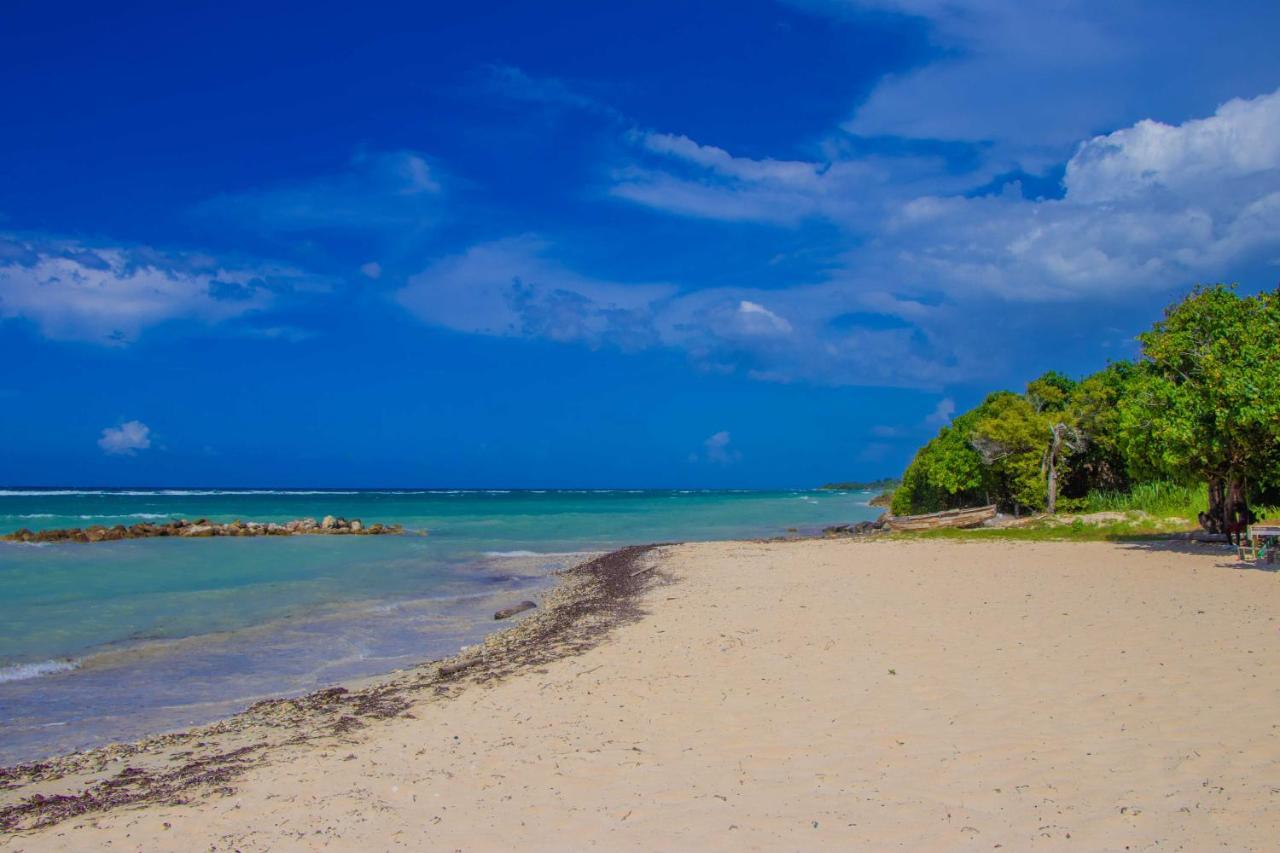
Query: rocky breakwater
column 203, row 528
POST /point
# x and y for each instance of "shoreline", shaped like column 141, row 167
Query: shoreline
column 584, row 604
column 835, row 693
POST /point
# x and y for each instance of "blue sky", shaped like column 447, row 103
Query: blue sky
column 596, row 244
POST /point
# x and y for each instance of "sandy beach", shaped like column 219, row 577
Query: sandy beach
column 771, row 695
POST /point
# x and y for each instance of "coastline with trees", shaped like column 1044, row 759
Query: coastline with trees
column 1191, row 426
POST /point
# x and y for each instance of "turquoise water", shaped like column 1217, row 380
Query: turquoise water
column 114, row 640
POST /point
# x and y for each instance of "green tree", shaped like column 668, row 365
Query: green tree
column 1010, row 438
column 1205, row 403
column 1052, row 396
column 1050, row 392
column 1102, row 463
column 945, row 473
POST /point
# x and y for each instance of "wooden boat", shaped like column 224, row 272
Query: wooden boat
column 967, row 517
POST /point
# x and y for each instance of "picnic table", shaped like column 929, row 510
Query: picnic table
column 1262, row 541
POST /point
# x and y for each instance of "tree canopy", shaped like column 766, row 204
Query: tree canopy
column 1201, row 404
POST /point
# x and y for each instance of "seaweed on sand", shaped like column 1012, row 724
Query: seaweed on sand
column 593, row 598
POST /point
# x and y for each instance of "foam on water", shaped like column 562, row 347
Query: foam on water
column 23, row 671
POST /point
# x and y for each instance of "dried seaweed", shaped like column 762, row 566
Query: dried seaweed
column 593, row 598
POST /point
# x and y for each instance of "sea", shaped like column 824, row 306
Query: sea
column 112, row 641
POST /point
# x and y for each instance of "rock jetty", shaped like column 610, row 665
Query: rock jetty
column 203, row 528
column 861, row 528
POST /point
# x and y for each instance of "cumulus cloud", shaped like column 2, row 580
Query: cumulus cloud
column 1148, row 206
column 73, row 291
column 126, row 439
column 716, row 449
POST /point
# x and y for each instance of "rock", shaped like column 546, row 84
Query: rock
column 201, row 528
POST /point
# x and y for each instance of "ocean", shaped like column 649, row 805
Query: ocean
column 116, row 640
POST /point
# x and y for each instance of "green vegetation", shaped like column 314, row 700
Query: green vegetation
column 1157, row 497
column 1191, row 429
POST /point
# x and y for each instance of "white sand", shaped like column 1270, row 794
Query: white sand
column 923, row 695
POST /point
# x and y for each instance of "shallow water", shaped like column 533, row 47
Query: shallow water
column 110, row 641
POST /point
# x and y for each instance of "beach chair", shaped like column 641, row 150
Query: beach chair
column 1261, row 542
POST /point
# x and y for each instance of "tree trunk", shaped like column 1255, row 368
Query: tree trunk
column 1228, row 506
column 1052, row 501
column 1213, row 520
column 1050, row 467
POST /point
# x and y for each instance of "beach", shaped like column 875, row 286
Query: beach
column 110, row 641
column 924, row 694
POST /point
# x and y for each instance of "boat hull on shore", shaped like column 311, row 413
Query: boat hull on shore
column 967, row 517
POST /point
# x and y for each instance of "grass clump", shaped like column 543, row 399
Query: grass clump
column 1157, row 497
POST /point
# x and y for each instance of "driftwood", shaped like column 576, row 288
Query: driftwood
column 645, row 569
column 460, row 665
column 507, row 613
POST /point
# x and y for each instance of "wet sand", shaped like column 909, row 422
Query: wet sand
column 764, row 695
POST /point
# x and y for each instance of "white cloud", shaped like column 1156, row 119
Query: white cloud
column 676, row 174
column 1206, row 157
column 716, row 449
column 1033, row 78
column 942, row 412
column 937, row 283
column 510, row 288
column 372, row 269
column 72, row 291
column 758, row 320
column 1152, row 206
column 126, row 439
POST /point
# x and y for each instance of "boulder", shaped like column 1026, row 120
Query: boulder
column 356, row 525
column 329, row 523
